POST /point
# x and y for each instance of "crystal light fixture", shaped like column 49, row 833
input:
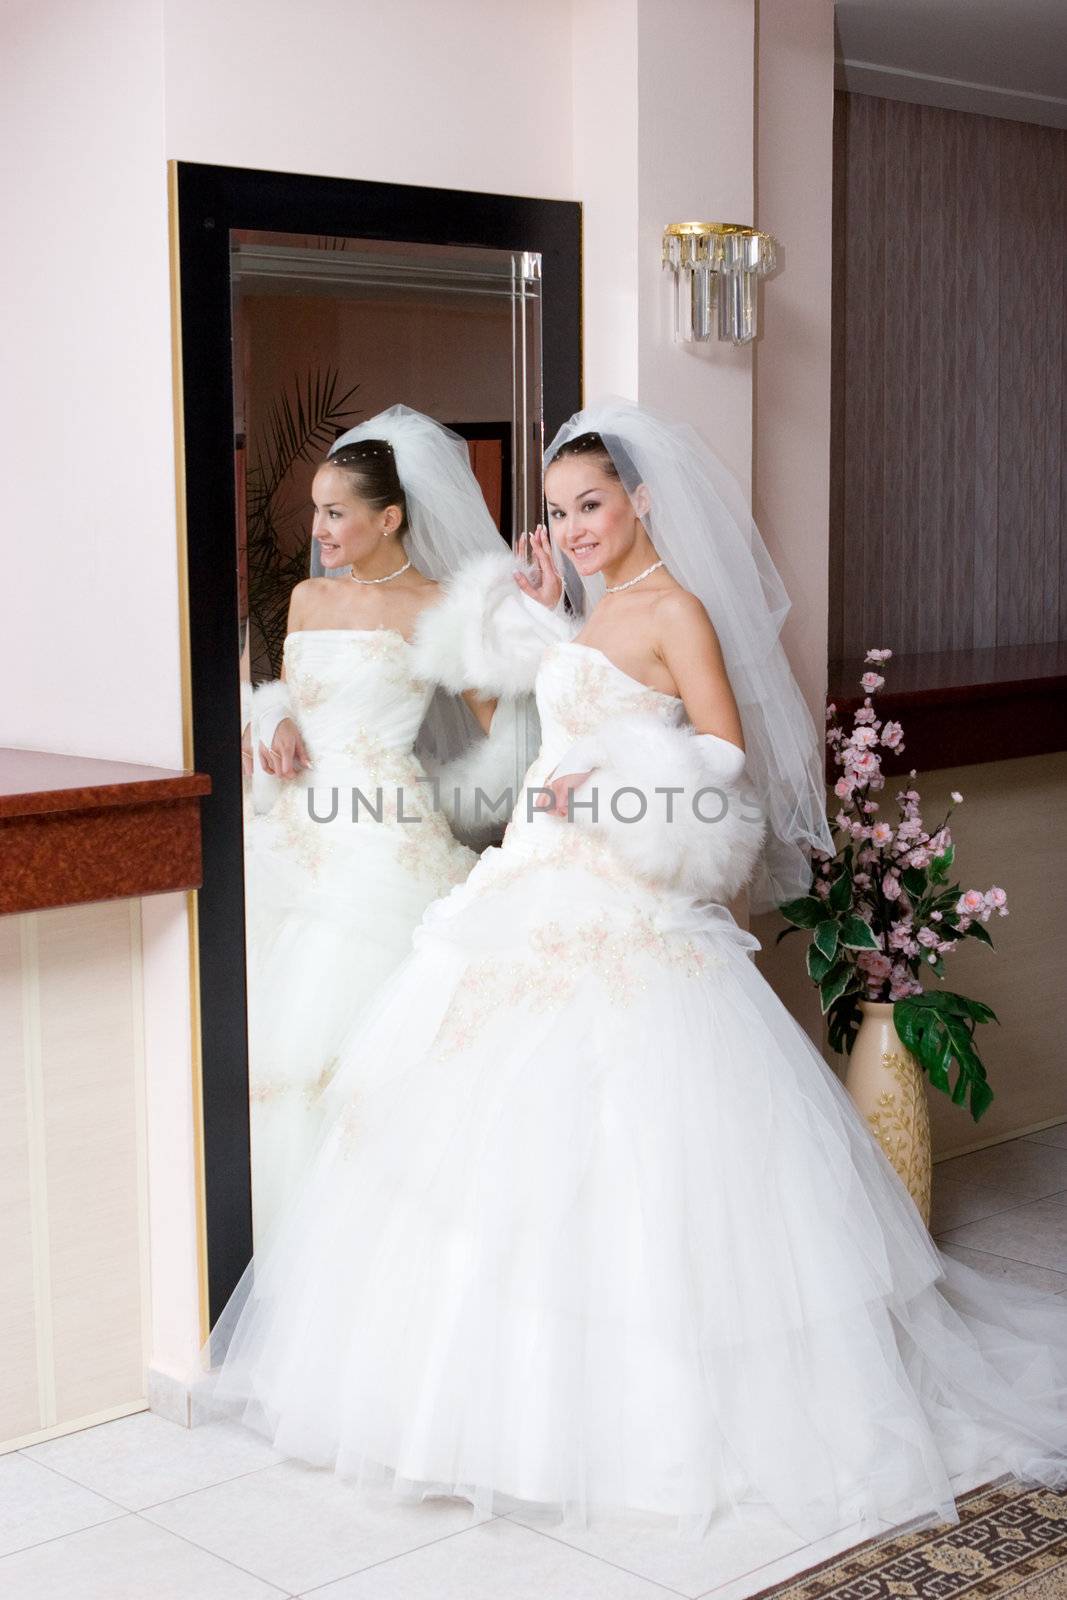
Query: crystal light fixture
column 715, row 266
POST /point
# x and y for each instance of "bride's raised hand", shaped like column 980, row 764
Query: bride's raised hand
column 287, row 755
column 544, row 582
column 557, row 802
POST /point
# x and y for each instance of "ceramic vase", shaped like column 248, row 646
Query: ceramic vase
column 889, row 1087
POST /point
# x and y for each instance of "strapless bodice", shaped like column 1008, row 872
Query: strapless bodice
column 355, row 697
column 579, row 688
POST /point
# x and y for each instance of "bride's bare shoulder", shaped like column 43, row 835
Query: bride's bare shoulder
column 679, row 612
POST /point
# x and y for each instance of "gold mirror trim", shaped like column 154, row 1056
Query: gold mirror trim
column 185, row 650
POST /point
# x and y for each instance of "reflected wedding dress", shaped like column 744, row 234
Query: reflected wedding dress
column 592, row 1224
column 332, row 901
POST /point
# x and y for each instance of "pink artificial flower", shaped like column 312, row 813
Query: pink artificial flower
column 864, row 714
column 946, row 945
column 956, row 797
column 862, row 738
column 871, row 681
column 918, row 857
column 995, row 897
column 831, row 708
column 871, row 805
column 843, row 788
column 935, row 916
column 964, row 923
column 875, row 963
column 893, row 735
column 899, row 937
column 971, row 903
column 878, row 655
column 928, row 937
column 863, row 763
column 822, row 888
column 891, row 886
column 881, row 833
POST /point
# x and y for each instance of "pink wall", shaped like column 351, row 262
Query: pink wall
column 85, row 415
column 697, row 126
column 791, row 456
column 472, row 94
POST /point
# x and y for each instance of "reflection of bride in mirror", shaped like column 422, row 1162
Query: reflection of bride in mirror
column 338, row 872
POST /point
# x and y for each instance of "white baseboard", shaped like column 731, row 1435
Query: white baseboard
column 170, row 1397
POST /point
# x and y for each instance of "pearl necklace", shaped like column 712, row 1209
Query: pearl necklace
column 616, row 588
column 389, row 576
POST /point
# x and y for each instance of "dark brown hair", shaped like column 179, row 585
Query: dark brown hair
column 371, row 464
column 587, row 444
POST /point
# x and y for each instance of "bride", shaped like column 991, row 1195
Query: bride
column 335, row 887
column 592, row 1224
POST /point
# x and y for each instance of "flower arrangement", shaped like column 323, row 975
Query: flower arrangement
column 881, row 911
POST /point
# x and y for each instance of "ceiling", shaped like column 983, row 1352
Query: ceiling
column 1004, row 58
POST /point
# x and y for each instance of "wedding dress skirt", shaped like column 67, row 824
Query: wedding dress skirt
column 591, row 1224
column 332, row 901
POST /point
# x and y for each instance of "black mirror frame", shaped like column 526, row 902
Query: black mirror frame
column 210, row 201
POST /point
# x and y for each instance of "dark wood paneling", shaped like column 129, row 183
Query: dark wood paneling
column 950, row 368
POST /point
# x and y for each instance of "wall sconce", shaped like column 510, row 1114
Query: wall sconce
column 716, row 262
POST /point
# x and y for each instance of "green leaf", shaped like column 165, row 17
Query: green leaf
column 834, row 985
column 826, row 939
column 857, row 934
column 841, row 891
column 938, row 1064
column 914, row 880
column 981, row 1099
column 780, row 936
column 818, row 964
column 977, row 931
column 807, row 912
column 940, row 864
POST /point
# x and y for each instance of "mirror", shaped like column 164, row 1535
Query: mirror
column 328, row 333
column 298, row 296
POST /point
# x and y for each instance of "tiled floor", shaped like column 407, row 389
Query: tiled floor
column 143, row 1510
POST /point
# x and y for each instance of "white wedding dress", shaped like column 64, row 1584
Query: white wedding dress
column 332, row 903
column 592, row 1224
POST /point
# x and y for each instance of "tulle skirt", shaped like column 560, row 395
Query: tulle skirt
column 591, row 1225
column 330, row 913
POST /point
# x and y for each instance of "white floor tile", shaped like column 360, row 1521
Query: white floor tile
column 955, row 1204
column 788, row 1566
column 1021, row 1168
column 649, row 1547
column 1005, row 1267
column 124, row 1560
column 141, row 1460
column 1036, row 1233
column 499, row 1560
column 36, row 1504
column 299, row 1526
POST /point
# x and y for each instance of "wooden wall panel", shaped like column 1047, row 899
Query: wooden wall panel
column 73, row 1193
column 949, row 481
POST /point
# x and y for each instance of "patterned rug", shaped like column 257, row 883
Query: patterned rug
column 1009, row 1541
